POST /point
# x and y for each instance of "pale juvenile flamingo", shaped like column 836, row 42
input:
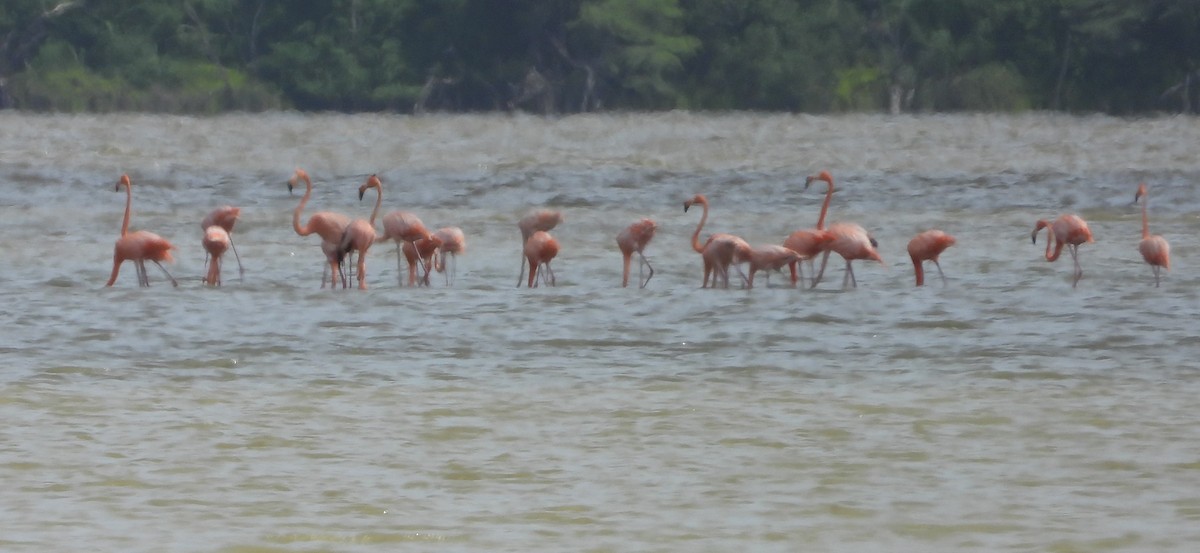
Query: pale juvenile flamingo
column 633, row 240
column 538, row 219
column 360, row 234
column 540, row 249
column 216, row 241
column 225, row 217
column 720, row 251
column 138, row 246
column 927, row 246
column 770, row 258
column 811, row 242
column 851, row 242
column 328, row 225
column 1069, row 230
column 1155, row 249
column 453, row 243
column 421, row 253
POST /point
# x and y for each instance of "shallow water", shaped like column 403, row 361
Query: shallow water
column 1004, row 411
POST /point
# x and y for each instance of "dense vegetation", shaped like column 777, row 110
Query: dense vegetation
column 202, row 56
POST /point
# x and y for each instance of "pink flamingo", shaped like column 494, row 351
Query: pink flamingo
column 328, row 225
column 927, row 246
column 421, row 253
column 216, row 241
column 1155, row 249
column 540, row 219
column 632, row 240
column 360, row 234
column 1069, row 230
column 138, row 246
column 851, row 242
column 540, row 249
column 401, row 227
column 720, row 251
column 225, row 217
column 770, row 258
column 808, row 243
column 453, row 243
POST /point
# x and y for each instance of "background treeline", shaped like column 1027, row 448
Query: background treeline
column 561, row 56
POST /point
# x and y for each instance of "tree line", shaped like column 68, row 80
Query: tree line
column 566, row 56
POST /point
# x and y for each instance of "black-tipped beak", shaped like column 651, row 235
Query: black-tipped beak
column 360, row 195
column 874, row 242
column 290, row 187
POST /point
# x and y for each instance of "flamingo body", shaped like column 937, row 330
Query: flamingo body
column 720, row 251
column 453, row 243
column 538, row 219
column 927, row 246
column 1067, row 230
column 138, row 246
column 811, row 242
column 633, row 239
column 216, row 242
column 1154, row 248
column 540, row 250
column 770, row 258
column 328, row 225
column 852, row 242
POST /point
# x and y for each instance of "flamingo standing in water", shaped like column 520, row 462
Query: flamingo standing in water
column 328, row 225
column 540, row 219
column 138, row 246
column 216, row 241
column 225, row 217
column 360, row 234
column 927, row 246
column 770, row 258
column 633, row 240
column 1155, row 249
column 453, row 243
column 401, row 227
column 851, row 242
column 1069, row 230
column 540, row 249
column 811, row 242
column 421, row 253
column 720, row 251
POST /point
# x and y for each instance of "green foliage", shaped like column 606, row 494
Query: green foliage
column 568, row 55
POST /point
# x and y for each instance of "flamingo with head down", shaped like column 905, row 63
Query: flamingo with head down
column 1069, row 230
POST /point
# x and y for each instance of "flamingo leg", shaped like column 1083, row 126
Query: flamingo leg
column 1078, row 270
column 940, row 273
column 548, row 273
column 399, row 267
column 645, row 262
column 521, row 276
column 849, row 275
column 140, row 269
column 241, row 271
column 821, row 273
column 165, row 272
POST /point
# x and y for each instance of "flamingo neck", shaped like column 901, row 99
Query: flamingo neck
column 919, row 270
column 128, row 206
column 300, row 208
column 825, row 206
column 696, row 235
column 1145, row 217
column 378, row 202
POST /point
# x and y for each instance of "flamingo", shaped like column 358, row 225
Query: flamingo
column 632, row 240
column 540, row 249
column 360, row 234
column 770, row 258
column 225, row 217
column 421, row 253
column 539, row 219
column 454, row 242
column 1155, row 249
column 401, row 227
column 1069, row 230
column 851, row 242
column 720, row 251
column 138, row 246
column 328, row 225
column 927, row 246
column 216, row 241
column 808, row 243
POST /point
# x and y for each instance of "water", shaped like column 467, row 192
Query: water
column 1005, row 411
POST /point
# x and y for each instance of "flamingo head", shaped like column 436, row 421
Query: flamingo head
column 823, row 176
column 697, row 199
column 298, row 176
column 1040, row 225
column 124, row 181
column 1141, row 191
column 372, row 182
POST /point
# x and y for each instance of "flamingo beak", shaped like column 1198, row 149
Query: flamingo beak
column 290, row 187
column 360, row 194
